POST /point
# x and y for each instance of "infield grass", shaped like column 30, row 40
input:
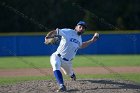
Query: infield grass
column 79, row 61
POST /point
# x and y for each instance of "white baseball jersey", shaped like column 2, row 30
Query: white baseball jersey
column 69, row 44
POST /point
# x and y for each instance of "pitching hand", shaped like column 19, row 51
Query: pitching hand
column 95, row 37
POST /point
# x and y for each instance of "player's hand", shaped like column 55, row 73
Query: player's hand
column 95, row 37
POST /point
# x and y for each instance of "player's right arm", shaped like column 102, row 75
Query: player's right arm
column 51, row 34
column 55, row 33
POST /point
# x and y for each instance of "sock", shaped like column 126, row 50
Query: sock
column 59, row 77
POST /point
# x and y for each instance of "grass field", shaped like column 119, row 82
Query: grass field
column 79, row 61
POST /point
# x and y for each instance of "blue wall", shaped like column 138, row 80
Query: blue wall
column 34, row 45
column 114, row 44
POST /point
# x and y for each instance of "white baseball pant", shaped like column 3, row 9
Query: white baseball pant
column 58, row 63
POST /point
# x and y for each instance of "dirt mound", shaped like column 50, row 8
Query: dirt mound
column 79, row 86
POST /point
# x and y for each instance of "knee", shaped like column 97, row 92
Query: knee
column 56, row 66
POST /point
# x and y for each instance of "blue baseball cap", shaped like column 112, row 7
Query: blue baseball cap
column 82, row 23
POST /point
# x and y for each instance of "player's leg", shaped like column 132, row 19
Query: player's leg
column 67, row 69
column 56, row 64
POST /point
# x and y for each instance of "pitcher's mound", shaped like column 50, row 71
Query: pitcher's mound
column 79, row 86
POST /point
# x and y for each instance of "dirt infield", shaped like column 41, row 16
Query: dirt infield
column 80, row 70
column 79, row 86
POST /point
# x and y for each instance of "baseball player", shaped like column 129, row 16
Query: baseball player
column 70, row 42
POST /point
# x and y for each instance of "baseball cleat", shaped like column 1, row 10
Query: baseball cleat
column 62, row 88
column 73, row 77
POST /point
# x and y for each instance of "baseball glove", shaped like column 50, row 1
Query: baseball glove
column 54, row 40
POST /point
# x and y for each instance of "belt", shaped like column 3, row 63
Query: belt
column 62, row 58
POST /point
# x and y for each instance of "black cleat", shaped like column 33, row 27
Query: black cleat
column 62, row 89
column 73, row 77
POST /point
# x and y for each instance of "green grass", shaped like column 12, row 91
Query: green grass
column 79, row 61
column 107, row 60
column 12, row 80
column 24, row 62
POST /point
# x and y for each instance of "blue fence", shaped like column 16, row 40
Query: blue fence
column 34, row 45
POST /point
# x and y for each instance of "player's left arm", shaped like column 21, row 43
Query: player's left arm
column 93, row 39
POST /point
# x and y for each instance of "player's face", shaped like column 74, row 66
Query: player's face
column 80, row 29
